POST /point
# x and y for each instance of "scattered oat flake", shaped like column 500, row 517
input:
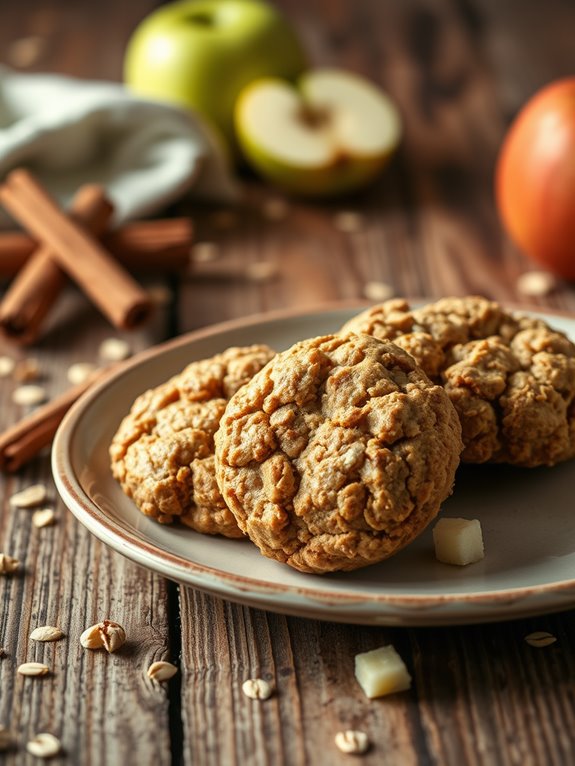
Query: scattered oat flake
column 224, row 219
column 25, row 51
column 7, row 365
column 257, row 689
column 536, row 283
column 204, row 252
column 352, row 741
column 114, row 350
column 44, row 745
column 27, row 370
column 161, row 671
column 33, row 669
column 348, row 222
column 47, row 633
column 45, row 517
column 28, row 396
column 261, row 271
column 275, row 209
column 378, row 291
column 540, row 638
column 29, row 497
column 80, row 372
column 5, row 738
column 8, row 564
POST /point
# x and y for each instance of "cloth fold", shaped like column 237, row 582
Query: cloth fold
column 70, row 132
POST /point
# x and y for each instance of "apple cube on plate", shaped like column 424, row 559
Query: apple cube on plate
column 458, row 541
column 381, row 671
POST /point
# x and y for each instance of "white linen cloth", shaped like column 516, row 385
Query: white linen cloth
column 70, row 132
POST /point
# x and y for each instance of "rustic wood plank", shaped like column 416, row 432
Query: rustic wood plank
column 103, row 708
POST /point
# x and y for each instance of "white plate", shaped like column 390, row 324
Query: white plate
column 527, row 515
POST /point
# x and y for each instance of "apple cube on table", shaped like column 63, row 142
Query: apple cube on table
column 381, row 671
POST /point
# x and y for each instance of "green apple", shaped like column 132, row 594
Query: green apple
column 202, row 53
column 331, row 134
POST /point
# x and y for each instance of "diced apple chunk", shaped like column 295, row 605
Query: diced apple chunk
column 381, row 671
column 458, row 541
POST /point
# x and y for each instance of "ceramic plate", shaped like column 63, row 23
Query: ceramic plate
column 526, row 514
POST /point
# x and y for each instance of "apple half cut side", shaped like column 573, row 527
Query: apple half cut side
column 330, row 134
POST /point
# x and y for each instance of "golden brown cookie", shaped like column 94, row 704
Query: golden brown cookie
column 510, row 377
column 337, row 454
column 163, row 451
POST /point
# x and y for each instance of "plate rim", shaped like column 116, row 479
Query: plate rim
column 239, row 587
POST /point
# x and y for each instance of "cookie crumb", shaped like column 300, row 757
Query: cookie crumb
column 352, row 741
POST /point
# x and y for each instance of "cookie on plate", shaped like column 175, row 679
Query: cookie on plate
column 337, row 454
column 163, row 451
column 510, row 377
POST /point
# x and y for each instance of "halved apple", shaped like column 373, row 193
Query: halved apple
column 332, row 133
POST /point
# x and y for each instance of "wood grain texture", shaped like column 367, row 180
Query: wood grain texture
column 459, row 70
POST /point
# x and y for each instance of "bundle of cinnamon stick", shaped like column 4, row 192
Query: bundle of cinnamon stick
column 80, row 246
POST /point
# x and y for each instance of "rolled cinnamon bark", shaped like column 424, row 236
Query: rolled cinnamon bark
column 38, row 284
column 157, row 245
column 103, row 279
column 22, row 441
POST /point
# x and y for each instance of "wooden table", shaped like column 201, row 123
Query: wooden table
column 459, row 70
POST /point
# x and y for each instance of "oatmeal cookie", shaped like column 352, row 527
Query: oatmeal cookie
column 510, row 377
column 163, row 451
column 337, row 454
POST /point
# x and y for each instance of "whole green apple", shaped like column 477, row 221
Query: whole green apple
column 202, row 53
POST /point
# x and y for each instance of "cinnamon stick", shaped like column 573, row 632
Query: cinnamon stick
column 40, row 281
column 22, row 441
column 107, row 283
column 154, row 245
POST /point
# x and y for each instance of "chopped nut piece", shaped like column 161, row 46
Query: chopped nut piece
column 43, row 518
column 29, row 497
column 261, row 271
column 536, row 283
column 381, row 671
column 27, row 370
column 108, row 635
column 352, row 741
column 257, row 689
column 378, row 291
column 80, row 372
column 275, row 209
column 540, row 639
column 46, row 633
column 8, row 564
column 33, row 669
column 161, row 671
column 348, row 222
column 458, row 541
column 44, row 745
column 5, row 738
column 29, row 396
column 7, row 365
column 114, row 350
column 204, row 252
